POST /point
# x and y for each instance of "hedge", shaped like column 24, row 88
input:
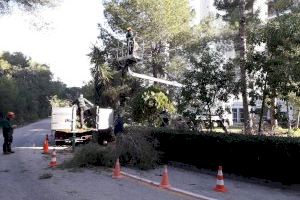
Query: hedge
column 267, row 157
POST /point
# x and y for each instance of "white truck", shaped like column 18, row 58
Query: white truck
column 64, row 124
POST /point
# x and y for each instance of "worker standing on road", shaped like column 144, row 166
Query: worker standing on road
column 7, row 128
column 81, row 103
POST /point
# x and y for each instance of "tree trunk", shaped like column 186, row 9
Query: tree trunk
column 274, row 122
column 155, row 52
column 223, row 127
column 154, row 70
column 209, row 118
column 244, row 83
column 288, row 115
column 298, row 118
column 98, row 89
column 261, row 114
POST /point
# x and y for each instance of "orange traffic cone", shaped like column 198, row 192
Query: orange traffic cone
column 220, row 182
column 117, row 170
column 46, row 145
column 165, row 179
column 53, row 159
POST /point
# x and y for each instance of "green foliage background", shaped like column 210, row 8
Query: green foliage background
column 26, row 88
column 147, row 105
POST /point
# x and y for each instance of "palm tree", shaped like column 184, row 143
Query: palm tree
column 101, row 72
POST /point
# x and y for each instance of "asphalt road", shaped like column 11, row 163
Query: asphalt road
column 25, row 175
column 32, row 135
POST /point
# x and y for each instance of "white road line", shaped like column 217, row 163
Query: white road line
column 58, row 148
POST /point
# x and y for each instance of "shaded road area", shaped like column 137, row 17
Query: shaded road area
column 32, row 135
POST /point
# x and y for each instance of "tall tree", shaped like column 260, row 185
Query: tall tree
column 156, row 22
column 101, row 73
column 278, row 63
column 295, row 100
column 17, row 59
column 235, row 13
column 26, row 87
column 208, row 81
column 29, row 5
column 244, row 84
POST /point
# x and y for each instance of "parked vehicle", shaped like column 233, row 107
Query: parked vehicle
column 215, row 119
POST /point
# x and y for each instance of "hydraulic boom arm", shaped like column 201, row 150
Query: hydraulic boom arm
column 142, row 76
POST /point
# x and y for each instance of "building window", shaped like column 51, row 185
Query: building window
column 235, row 117
column 241, row 115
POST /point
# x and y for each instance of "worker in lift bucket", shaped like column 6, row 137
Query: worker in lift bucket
column 130, row 40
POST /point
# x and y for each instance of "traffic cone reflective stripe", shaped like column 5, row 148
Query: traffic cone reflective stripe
column 165, row 180
column 220, row 173
column 117, row 170
column 220, row 181
column 53, row 159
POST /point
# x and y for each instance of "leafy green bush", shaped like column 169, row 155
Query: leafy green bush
column 133, row 149
column 147, row 105
column 138, row 149
column 92, row 154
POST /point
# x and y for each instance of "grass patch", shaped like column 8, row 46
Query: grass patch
column 295, row 133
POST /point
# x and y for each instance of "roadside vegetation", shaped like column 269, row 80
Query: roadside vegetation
column 135, row 149
column 266, row 157
column 27, row 87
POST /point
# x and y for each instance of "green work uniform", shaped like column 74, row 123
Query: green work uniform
column 7, row 134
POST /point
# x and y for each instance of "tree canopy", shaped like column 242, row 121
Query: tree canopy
column 27, row 86
column 28, row 5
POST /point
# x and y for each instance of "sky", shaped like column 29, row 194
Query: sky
column 60, row 37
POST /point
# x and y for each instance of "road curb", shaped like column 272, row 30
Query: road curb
column 173, row 189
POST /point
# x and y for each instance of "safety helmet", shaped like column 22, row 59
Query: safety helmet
column 129, row 28
column 10, row 114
